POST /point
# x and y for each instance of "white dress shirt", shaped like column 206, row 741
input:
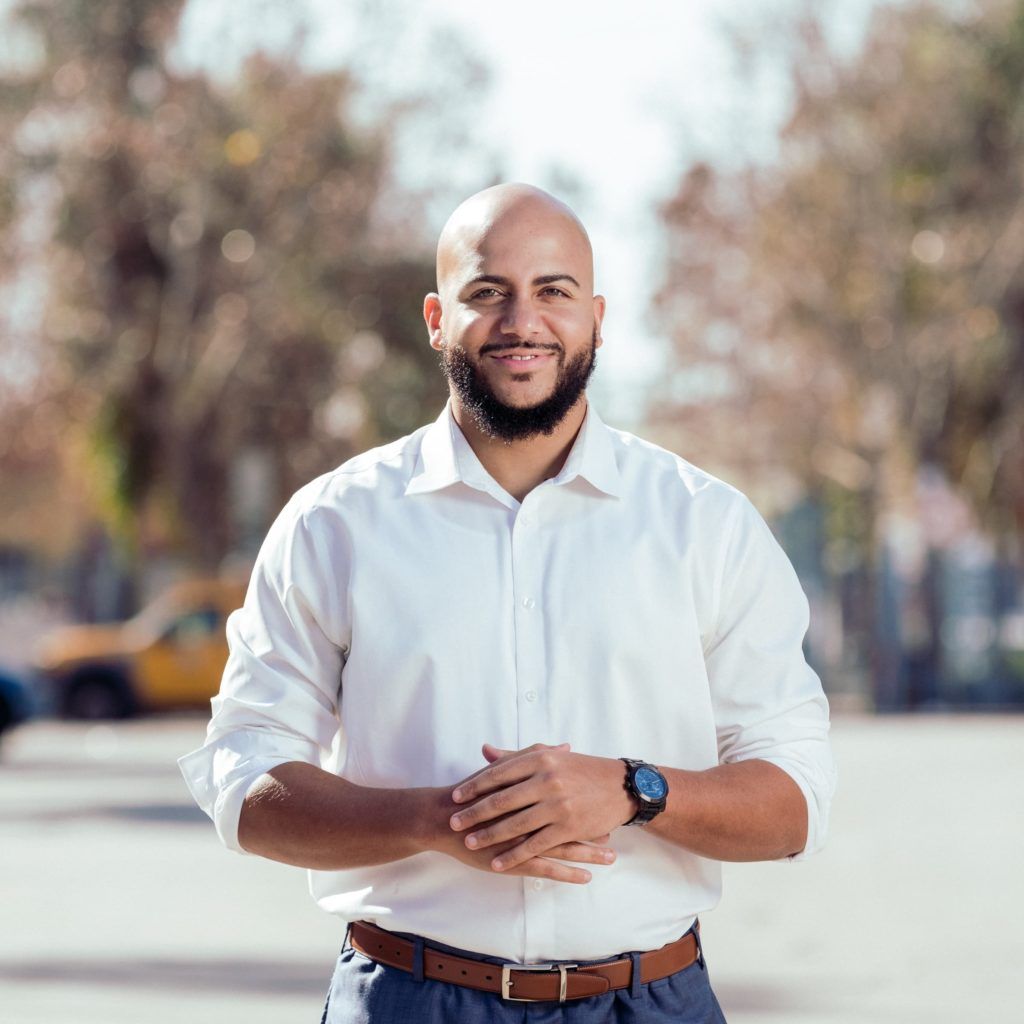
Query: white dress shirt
column 404, row 609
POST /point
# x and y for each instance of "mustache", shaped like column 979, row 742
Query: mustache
column 507, row 346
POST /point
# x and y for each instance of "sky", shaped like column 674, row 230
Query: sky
column 604, row 104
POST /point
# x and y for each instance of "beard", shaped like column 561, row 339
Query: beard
column 511, row 422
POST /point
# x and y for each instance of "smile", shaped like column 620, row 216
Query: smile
column 519, row 360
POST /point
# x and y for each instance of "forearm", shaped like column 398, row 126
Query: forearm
column 301, row 815
column 750, row 810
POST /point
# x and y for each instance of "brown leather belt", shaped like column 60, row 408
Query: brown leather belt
column 525, row 982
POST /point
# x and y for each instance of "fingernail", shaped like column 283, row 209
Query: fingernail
column 456, row 821
column 497, row 864
column 471, row 841
column 608, row 855
column 457, row 795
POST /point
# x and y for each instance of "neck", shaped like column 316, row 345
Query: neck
column 519, row 466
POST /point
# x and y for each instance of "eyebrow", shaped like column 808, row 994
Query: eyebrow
column 537, row 281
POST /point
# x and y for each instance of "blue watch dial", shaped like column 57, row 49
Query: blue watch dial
column 650, row 784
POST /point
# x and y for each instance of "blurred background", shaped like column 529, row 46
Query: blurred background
column 217, row 224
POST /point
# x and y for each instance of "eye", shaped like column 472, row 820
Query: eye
column 484, row 293
column 557, row 291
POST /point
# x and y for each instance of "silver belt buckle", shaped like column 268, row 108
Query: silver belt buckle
column 507, row 983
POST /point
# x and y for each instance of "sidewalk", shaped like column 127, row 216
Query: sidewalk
column 912, row 912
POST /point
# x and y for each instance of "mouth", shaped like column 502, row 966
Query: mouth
column 522, row 360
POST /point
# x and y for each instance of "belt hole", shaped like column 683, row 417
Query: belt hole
column 488, row 977
column 463, row 973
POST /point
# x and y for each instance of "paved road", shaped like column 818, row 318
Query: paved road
column 120, row 905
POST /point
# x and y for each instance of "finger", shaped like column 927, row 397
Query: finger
column 473, row 775
column 513, row 827
column 503, row 755
column 541, row 867
column 533, row 846
column 507, row 801
column 495, row 776
column 508, row 771
column 582, row 853
column 493, row 753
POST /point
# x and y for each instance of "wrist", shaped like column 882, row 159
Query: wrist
column 431, row 809
column 624, row 803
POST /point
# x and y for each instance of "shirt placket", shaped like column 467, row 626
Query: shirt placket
column 532, row 696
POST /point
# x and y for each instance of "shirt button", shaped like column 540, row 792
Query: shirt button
column 531, row 695
column 538, row 884
column 528, row 602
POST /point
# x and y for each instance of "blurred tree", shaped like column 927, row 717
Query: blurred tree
column 857, row 311
column 213, row 275
column 862, row 302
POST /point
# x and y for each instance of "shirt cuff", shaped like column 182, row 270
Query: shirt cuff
column 220, row 774
column 818, row 796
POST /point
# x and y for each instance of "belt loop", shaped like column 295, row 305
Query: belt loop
column 634, row 983
column 700, row 948
column 348, row 931
column 417, row 958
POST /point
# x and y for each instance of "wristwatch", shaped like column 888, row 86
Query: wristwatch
column 648, row 787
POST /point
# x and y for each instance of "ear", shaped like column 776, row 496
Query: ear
column 432, row 316
column 599, row 308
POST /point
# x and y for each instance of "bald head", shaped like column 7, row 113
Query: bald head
column 486, row 221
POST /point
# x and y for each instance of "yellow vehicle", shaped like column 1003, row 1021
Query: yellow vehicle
column 169, row 656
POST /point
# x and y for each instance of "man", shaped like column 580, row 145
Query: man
column 513, row 686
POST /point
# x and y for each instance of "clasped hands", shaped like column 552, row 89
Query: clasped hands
column 529, row 810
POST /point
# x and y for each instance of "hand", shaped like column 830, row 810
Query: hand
column 549, row 866
column 537, row 800
column 546, row 863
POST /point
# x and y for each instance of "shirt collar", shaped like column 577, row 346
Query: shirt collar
column 592, row 457
column 436, row 464
column 446, row 458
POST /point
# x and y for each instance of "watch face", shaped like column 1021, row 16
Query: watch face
column 650, row 784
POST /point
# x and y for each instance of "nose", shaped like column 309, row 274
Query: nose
column 521, row 318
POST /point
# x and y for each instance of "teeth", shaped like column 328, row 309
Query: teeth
column 520, row 358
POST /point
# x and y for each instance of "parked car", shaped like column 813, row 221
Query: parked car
column 169, row 656
column 16, row 701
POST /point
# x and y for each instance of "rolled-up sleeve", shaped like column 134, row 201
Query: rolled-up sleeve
column 768, row 702
column 279, row 695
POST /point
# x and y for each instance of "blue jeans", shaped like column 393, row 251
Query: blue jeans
column 365, row 992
